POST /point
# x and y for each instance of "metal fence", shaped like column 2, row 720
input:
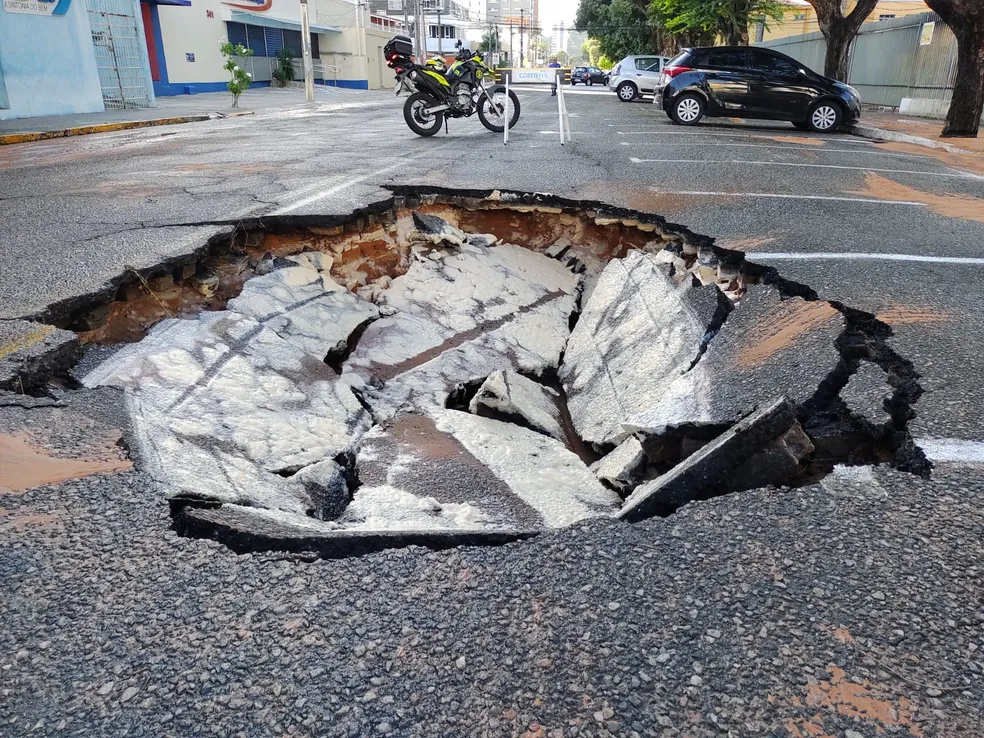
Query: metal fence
column 121, row 53
column 891, row 61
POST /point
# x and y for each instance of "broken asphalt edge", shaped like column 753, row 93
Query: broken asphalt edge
column 883, row 134
column 200, row 522
column 212, row 522
column 7, row 139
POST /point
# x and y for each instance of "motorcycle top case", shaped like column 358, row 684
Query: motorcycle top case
column 400, row 45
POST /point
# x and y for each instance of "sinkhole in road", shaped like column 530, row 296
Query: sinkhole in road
column 447, row 368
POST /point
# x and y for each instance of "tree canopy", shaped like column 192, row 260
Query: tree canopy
column 624, row 27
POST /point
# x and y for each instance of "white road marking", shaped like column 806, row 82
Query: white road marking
column 816, row 149
column 350, row 181
column 953, row 450
column 656, row 129
column 777, row 196
column 750, row 162
column 867, row 256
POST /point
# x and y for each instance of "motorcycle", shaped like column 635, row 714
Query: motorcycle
column 439, row 92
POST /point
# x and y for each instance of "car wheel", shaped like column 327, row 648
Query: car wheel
column 688, row 110
column 825, row 116
column 590, row 83
column 627, row 92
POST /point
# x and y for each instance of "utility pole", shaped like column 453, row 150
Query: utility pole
column 521, row 23
column 421, row 32
column 306, row 52
column 510, row 43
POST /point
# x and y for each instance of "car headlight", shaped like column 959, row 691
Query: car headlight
column 854, row 92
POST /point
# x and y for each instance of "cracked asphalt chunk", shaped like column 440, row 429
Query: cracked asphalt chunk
column 435, row 374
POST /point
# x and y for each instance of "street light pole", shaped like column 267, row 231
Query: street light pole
column 440, row 34
column 521, row 23
column 306, row 53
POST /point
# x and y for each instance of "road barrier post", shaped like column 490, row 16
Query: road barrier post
column 505, row 126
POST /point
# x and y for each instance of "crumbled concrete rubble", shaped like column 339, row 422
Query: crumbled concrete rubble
column 506, row 393
column 624, row 467
column 768, row 343
column 459, row 314
column 32, row 352
column 340, row 408
column 867, row 395
column 639, row 331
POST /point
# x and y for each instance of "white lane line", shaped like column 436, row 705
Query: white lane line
column 953, row 450
column 777, row 196
column 656, row 129
column 751, row 162
column 349, row 182
column 864, row 256
column 816, row 149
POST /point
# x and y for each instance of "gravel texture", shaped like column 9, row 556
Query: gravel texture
column 760, row 613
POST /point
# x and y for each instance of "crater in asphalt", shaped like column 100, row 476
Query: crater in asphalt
column 447, row 368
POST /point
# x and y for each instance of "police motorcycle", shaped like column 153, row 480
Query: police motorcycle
column 439, row 92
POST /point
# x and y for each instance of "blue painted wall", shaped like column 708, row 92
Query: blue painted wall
column 49, row 67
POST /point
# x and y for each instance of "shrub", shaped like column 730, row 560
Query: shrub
column 284, row 71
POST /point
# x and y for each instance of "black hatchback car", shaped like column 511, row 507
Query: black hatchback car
column 589, row 76
column 749, row 82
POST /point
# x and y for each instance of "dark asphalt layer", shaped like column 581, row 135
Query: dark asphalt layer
column 854, row 605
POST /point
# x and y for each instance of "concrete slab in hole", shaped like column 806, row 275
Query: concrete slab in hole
column 624, row 467
column 246, row 529
column 640, row 330
column 512, row 395
column 31, row 352
column 457, row 315
column 767, row 345
column 710, row 466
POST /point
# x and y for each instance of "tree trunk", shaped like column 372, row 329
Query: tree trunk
column 839, row 37
column 964, row 117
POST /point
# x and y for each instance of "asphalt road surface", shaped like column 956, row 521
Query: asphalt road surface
column 850, row 608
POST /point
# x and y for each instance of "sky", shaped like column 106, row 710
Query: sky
column 553, row 12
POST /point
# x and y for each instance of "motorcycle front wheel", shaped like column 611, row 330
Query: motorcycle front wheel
column 492, row 111
column 421, row 122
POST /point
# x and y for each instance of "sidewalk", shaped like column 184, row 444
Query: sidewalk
column 919, row 131
column 169, row 111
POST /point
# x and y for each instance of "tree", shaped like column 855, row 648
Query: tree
column 591, row 50
column 966, row 19
column 705, row 19
column 839, row 30
column 490, row 41
column 621, row 27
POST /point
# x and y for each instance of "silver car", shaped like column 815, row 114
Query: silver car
column 635, row 76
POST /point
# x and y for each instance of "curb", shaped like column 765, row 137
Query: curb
column 16, row 138
column 881, row 134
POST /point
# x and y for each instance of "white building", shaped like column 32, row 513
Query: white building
column 183, row 42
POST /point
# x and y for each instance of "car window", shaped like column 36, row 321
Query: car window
column 644, row 62
column 727, row 59
column 579, row 69
column 679, row 60
column 772, row 64
column 655, row 67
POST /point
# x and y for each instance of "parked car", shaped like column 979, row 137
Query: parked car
column 589, row 76
column 635, row 76
column 750, row 82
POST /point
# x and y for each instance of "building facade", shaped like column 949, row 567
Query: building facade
column 800, row 17
column 60, row 57
column 84, row 56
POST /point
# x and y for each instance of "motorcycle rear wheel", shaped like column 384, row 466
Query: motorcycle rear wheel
column 418, row 121
column 494, row 120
